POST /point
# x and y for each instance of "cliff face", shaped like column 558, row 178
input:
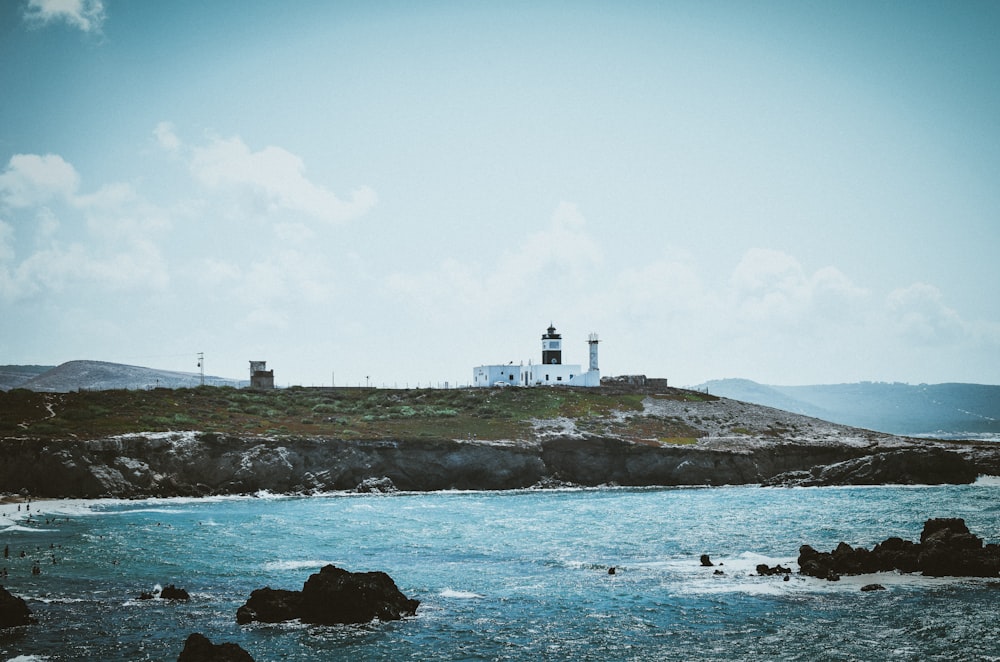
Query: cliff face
column 194, row 464
column 91, row 445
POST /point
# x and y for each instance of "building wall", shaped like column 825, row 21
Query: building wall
column 490, row 375
column 262, row 379
column 535, row 375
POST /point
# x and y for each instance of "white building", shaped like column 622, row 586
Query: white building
column 550, row 372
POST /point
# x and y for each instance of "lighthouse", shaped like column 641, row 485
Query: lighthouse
column 550, row 372
column 552, row 347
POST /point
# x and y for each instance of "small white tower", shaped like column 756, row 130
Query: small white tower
column 592, row 340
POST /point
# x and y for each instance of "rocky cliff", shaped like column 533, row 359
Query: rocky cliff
column 193, row 463
column 730, row 443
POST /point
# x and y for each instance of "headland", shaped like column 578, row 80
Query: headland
column 221, row 440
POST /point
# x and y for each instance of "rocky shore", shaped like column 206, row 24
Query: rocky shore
column 194, row 464
column 730, row 443
column 946, row 549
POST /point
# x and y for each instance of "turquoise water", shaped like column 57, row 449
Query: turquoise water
column 505, row 575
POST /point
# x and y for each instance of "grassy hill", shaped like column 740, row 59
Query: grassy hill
column 14, row 376
column 347, row 413
column 102, row 375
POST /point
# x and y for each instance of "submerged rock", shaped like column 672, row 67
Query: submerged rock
column 331, row 596
column 198, row 648
column 13, row 610
column 946, row 549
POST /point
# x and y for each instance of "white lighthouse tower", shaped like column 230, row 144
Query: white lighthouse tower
column 592, row 340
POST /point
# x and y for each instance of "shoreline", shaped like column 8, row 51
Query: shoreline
column 76, row 506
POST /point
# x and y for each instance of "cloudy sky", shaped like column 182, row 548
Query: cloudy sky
column 791, row 192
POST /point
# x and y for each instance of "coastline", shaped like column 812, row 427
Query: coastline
column 194, row 464
column 12, row 520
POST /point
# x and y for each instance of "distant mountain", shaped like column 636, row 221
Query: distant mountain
column 102, row 376
column 12, row 376
column 948, row 410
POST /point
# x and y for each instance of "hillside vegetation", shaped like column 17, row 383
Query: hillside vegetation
column 347, row 413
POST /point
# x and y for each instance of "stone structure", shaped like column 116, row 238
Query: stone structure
column 260, row 376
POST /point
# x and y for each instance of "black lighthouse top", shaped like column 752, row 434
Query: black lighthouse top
column 552, row 347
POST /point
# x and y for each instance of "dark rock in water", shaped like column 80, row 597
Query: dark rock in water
column 13, row 610
column 269, row 605
column 612, row 570
column 383, row 485
column 816, row 564
column 706, row 561
column 949, row 550
column 198, row 648
column 146, row 595
column 171, row 592
column 331, row 596
column 872, row 587
column 335, row 595
column 946, row 548
column 765, row 571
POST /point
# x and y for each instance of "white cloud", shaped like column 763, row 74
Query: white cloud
column 6, row 241
column 772, row 286
column 118, row 253
column 31, row 180
column 85, row 15
column 166, row 137
column 294, row 233
column 553, row 263
column 117, row 211
column 272, row 179
column 138, row 266
column 920, row 315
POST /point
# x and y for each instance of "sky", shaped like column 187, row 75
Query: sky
column 391, row 193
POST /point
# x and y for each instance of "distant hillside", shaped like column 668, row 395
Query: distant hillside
column 13, row 376
column 924, row 409
column 103, row 376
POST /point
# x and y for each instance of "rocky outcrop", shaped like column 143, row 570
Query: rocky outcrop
column 946, row 548
column 906, row 466
column 198, row 648
column 171, row 592
column 14, row 611
column 383, row 485
column 202, row 464
column 331, row 596
column 764, row 570
column 270, row 605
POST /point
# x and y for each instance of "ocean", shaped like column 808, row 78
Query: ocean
column 519, row 575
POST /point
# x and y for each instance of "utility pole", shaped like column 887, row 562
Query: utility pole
column 201, row 364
